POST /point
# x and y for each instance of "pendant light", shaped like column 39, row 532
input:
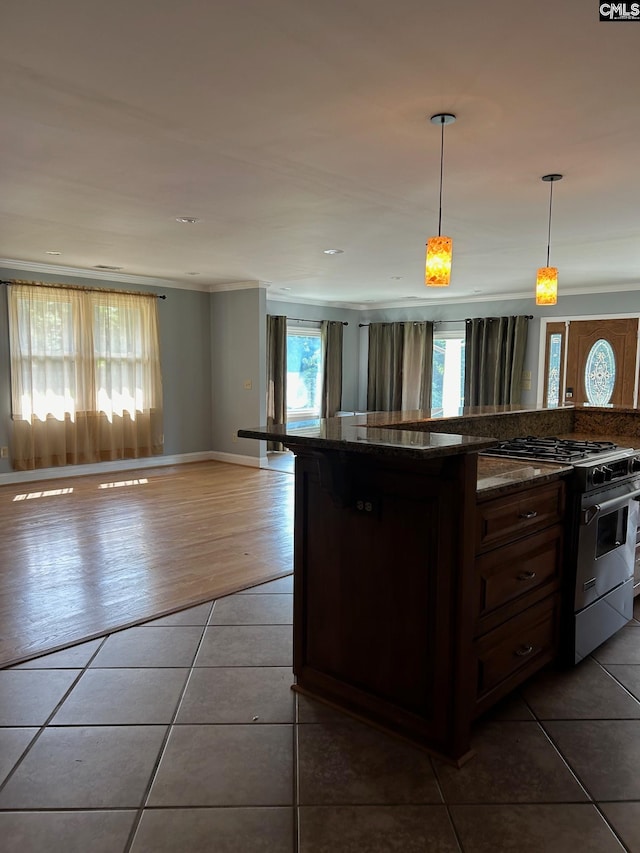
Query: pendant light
column 547, row 278
column 439, row 249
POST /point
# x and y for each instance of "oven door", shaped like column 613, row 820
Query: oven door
column 606, row 545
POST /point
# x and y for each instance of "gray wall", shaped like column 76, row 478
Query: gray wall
column 238, row 348
column 185, row 346
column 350, row 351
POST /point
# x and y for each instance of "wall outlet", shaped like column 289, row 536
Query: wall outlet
column 234, row 436
column 4, row 452
column 526, row 380
column 247, row 385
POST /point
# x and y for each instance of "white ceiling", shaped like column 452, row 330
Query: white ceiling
column 288, row 127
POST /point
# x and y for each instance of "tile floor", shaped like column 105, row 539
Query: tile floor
column 183, row 735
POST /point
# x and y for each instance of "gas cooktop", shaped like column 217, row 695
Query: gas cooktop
column 551, row 449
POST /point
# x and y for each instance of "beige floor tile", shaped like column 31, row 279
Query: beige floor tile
column 625, row 819
column 198, row 615
column 284, row 584
column 13, row 743
column 512, row 707
column 237, row 830
column 149, row 647
column 623, row 647
column 247, row 645
column 238, row 695
column 558, row 828
column 584, row 692
column 351, row 764
column 514, row 763
column 605, row 754
column 75, row 657
column 117, row 697
column 28, row 697
column 275, row 609
column 628, row 675
column 383, row 829
column 89, row 767
column 226, row 766
column 65, row 832
column 312, row 711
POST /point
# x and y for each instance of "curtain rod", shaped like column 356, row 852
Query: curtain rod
column 82, row 287
column 466, row 320
column 303, row 320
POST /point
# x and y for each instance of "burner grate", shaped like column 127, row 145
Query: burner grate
column 550, row 448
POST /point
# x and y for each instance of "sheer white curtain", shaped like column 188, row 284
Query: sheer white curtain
column 85, row 375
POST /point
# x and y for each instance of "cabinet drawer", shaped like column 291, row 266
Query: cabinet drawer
column 513, row 577
column 519, row 647
column 506, row 519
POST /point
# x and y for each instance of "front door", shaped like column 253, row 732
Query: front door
column 601, row 362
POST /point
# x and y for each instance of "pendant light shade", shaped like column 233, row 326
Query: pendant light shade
column 437, row 271
column 547, row 277
column 547, row 286
column 439, row 249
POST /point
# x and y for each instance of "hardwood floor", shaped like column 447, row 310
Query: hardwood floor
column 83, row 556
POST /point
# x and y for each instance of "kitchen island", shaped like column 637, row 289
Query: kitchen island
column 392, row 621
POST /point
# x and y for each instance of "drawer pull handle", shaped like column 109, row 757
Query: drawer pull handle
column 526, row 576
column 529, row 514
column 523, row 651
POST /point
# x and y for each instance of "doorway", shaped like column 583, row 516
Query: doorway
column 591, row 362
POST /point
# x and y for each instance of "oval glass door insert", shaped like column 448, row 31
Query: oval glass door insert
column 600, row 373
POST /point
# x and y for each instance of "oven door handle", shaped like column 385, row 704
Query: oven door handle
column 592, row 512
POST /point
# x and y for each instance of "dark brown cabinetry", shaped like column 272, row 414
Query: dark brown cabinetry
column 517, row 588
column 382, row 593
column 416, row 607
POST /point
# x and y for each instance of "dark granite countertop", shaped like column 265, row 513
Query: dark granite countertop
column 365, row 434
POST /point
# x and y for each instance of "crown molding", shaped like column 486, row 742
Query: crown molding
column 238, row 285
column 100, row 275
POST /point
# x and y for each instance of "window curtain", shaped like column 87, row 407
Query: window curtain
column 86, row 384
column 400, row 366
column 332, row 334
column 494, row 358
column 276, row 374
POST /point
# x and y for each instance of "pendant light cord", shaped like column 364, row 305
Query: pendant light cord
column 441, row 173
column 549, row 231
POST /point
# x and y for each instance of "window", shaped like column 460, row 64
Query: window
column 85, row 375
column 304, row 373
column 447, row 388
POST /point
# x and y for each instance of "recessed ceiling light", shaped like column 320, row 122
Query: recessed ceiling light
column 53, row 253
column 193, row 273
column 396, row 277
column 333, row 251
column 285, row 288
column 187, row 220
column 107, row 267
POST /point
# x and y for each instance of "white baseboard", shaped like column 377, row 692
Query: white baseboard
column 128, row 465
column 237, row 459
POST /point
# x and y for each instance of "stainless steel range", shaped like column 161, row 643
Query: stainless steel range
column 602, row 519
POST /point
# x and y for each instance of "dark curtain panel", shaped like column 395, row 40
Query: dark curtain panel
column 332, row 371
column 276, row 374
column 494, row 357
column 400, row 364
column 417, row 365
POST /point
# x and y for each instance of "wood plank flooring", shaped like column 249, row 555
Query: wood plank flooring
column 83, row 556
